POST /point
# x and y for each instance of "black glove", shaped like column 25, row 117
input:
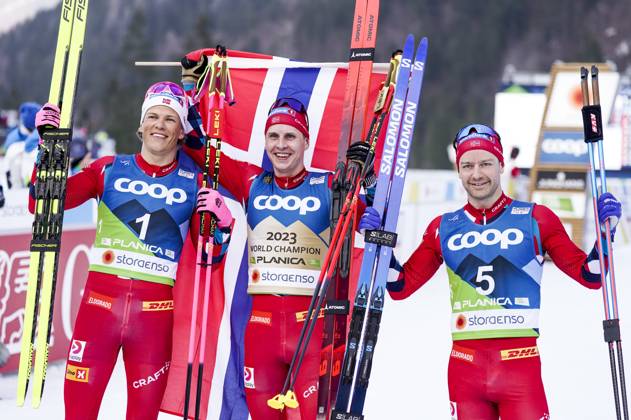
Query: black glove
column 192, row 70
column 1, row 197
column 358, row 152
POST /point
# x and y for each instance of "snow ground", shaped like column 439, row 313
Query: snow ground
column 410, row 367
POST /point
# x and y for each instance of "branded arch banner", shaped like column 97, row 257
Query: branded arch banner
column 257, row 82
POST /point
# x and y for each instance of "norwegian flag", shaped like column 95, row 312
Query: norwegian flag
column 257, row 81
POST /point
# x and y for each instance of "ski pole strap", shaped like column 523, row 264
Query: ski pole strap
column 592, row 123
column 381, row 237
column 611, row 329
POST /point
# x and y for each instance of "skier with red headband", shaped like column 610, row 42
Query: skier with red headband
column 288, row 215
column 494, row 249
column 146, row 206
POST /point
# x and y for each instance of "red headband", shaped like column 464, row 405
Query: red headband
column 289, row 116
column 487, row 143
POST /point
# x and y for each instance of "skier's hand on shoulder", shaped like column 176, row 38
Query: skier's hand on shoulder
column 193, row 66
column 209, row 200
column 47, row 117
column 609, row 208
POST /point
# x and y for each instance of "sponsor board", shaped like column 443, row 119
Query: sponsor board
column 563, row 148
column 71, row 274
column 561, row 180
column 565, row 204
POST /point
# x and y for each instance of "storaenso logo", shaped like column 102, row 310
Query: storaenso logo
column 289, row 203
column 173, row 195
column 565, row 146
column 472, row 239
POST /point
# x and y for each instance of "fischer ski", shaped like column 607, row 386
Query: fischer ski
column 51, row 175
column 361, row 56
column 369, row 301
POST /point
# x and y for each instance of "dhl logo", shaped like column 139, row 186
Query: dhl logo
column 302, row 316
column 521, row 353
column 159, row 305
column 77, row 373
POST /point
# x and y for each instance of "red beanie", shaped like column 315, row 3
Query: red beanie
column 289, row 116
column 480, row 141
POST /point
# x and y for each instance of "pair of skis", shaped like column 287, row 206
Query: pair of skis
column 216, row 81
column 593, row 130
column 361, row 56
column 287, row 398
column 370, row 296
column 50, row 190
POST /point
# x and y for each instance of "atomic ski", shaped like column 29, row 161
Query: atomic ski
column 52, row 171
column 363, row 41
column 364, row 327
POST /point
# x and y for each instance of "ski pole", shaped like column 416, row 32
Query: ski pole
column 593, row 130
column 215, row 127
column 212, row 68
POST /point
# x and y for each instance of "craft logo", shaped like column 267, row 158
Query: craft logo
column 153, row 377
column 77, row 373
column 76, row 350
column 160, row 305
column 248, row 377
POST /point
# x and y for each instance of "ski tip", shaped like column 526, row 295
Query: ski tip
column 410, row 38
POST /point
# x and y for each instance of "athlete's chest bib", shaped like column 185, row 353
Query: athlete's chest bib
column 288, row 235
column 143, row 221
column 494, row 274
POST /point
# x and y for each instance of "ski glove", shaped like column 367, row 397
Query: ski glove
column 370, row 220
column 192, row 70
column 609, row 208
column 358, row 152
column 48, row 116
column 209, row 200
